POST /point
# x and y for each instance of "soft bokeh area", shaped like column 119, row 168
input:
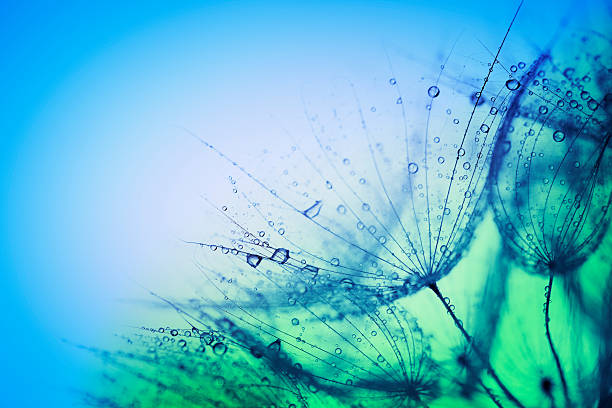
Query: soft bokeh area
column 102, row 180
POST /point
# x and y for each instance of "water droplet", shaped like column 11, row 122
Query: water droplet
column 347, row 284
column 275, row 346
column 592, row 104
column 328, row 184
column 341, row 209
column 513, row 68
column 219, row 349
column 295, row 321
column 521, row 65
column 413, row 168
column 399, row 101
column 280, row 255
column 476, row 99
column 253, row 260
column 466, row 166
column 461, row 152
column 568, row 72
column 392, row 81
column 484, row 128
column 314, row 210
column 338, row 350
column 558, row 136
column 433, row 91
column 513, row 84
column 493, row 110
column 365, row 207
column 440, row 159
column 436, row 139
column 334, row 262
column 311, row 269
column 543, row 110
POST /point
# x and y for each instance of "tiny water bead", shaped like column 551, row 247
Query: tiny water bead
column 484, row 128
column 433, row 91
column 413, row 168
column 295, row 321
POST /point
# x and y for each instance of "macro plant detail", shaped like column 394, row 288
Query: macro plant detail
column 550, row 190
column 316, row 247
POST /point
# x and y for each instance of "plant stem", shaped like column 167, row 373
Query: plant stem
column 470, row 341
column 550, row 342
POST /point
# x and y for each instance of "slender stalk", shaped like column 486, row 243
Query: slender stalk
column 470, row 341
column 550, row 342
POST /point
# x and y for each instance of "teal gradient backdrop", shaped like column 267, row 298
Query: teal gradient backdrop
column 100, row 182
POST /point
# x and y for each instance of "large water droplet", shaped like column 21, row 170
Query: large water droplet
column 347, row 284
column 314, row 209
column 253, row 260
column 280, row 255
column 310, row 269
column 219, row 349
column 484, row 128
column 513, row 84
column 558, row 136
column 433, row 91
column 275, row 346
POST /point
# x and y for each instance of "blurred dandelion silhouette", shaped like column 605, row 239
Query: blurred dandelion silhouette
column 550, row 189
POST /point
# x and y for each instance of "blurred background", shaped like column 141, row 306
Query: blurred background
column 99, row 179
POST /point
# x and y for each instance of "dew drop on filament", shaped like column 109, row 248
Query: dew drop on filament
column 513, row 84
column 253, row 260
column 280, row 255
column 313, row 210
column 433, row 91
